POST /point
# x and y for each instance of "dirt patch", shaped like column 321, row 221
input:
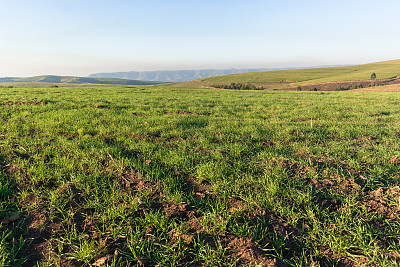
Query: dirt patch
column 38, row 235
column 100, row 106
column 69, row 136
column 294, row 168
column 358, row 86
column 203, row 150
column 109, row 247
column 247, row 252
column 384, row 88
column 366, row 138
column 181, row 211
column 180, row 113
column 384, row 202
column 135, row 180
column 236, row 204
column 381, row 207
column 21, row 103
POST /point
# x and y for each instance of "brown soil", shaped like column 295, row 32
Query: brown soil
column 247, row 252
column 21, row 103
column 332, row 86
column 385, row 85
column 384, row 202
column 385, row 88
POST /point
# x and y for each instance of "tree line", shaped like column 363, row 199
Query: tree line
column 238, row 86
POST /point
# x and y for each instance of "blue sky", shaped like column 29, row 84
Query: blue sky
column 70, row 37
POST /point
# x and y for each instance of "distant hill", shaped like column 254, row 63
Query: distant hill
column 76, row 80
column 173, row 75
column 383, row 70
column 178, row 75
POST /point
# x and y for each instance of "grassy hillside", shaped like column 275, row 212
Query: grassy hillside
column 166, row 176
column 76, row 80
column 386, row 69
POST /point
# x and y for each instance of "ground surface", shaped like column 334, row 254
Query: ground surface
column 167, row 176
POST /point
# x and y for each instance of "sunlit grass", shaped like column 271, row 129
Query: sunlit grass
column 164, row 175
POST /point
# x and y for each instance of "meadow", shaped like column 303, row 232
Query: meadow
column 298, row 77
column 175, row 176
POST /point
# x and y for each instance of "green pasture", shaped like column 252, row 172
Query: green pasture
column 168, row 176
column 383, row 70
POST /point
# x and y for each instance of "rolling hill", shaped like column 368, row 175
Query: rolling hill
column 295, row 77
column 75, row 80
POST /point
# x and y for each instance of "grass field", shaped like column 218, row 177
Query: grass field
column 167, row 176
column 383, row 70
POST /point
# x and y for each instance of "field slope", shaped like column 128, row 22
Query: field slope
column 383, row 70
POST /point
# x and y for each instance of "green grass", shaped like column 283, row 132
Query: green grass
column 386, row 69
column 188, row 177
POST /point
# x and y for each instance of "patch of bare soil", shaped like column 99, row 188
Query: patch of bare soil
column 38, row 235
column 22, row 103
column 384, row 88
column 180, row 113
column 247, row 252
column 338, row 183
column 384, row 202
column 69, row 136
column 368, row 85
column 294, row 168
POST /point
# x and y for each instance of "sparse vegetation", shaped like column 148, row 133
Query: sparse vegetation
column 174, row 176
column 351, row 87
column 238, row 86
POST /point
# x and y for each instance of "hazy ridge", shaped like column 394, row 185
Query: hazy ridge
column 75, row 80
column 177, row 75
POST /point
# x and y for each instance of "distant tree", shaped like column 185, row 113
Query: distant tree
column 238, row 86
column 373, row 76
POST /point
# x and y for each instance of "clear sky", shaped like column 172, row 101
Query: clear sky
column 71, row 37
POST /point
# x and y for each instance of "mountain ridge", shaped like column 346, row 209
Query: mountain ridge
column 183, row 75
column 76, row 80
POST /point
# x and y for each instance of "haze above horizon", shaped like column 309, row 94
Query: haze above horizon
column 83, row 37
